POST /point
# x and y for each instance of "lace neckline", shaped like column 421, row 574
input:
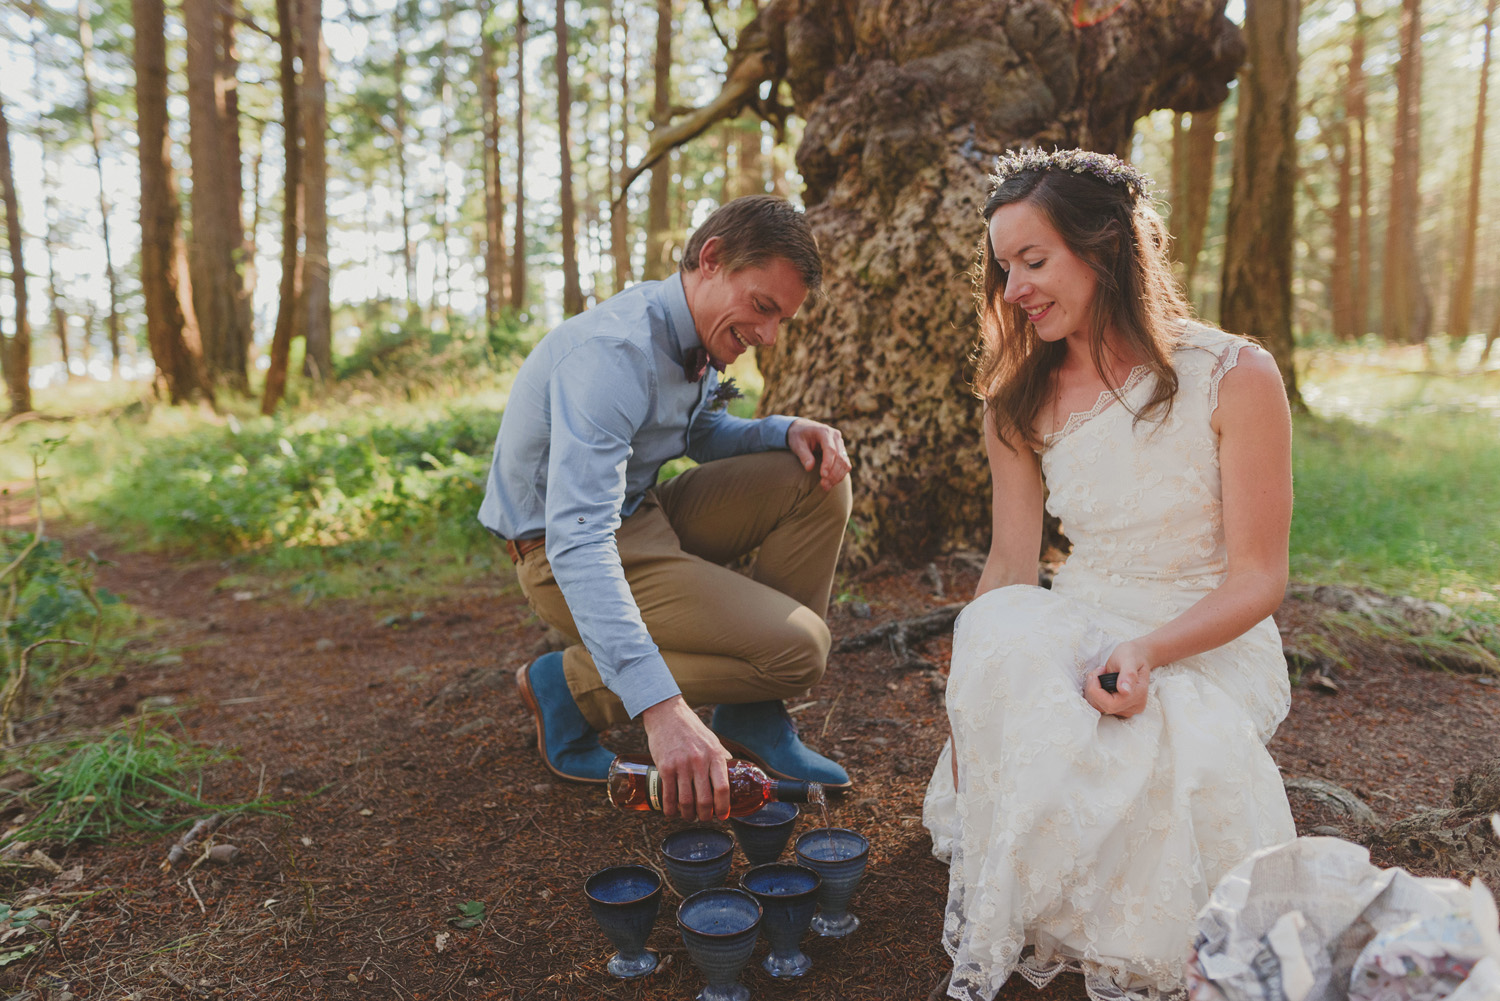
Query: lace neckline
column 1102, row 403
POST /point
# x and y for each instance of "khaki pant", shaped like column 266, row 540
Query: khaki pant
column 725, row 637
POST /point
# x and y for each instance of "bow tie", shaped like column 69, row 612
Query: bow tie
column 695, row 362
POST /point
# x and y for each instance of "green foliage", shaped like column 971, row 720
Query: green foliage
column 52, row 596
column 131, row 779
column 1396, row 486
column 14, row 923
column 315, row 484
column 470, row 915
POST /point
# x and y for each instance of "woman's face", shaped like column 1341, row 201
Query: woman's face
column 1051, row 283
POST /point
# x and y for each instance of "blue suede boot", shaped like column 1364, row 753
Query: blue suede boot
column 570, row 747
column 764, row 733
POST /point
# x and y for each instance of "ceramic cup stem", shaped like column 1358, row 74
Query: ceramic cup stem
column 624, row 900
column 838, row 855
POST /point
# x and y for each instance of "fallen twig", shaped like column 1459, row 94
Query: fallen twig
column 203, row 827
column 901, row 633
column 194, row 891
column 1337, row 797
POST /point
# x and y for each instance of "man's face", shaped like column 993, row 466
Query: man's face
column 745, row 308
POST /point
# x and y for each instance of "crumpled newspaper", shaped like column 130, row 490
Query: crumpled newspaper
column 1313, row 920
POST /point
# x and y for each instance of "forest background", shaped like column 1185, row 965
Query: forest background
column 268, row 269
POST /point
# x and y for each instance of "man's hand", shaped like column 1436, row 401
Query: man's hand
column 690, row 760
column 818, row 445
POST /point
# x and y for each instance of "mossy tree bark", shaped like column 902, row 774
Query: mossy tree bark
column 907, row 103
column 171, row 324
column 1257, row 285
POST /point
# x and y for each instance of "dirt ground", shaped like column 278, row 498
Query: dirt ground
column 412, row 786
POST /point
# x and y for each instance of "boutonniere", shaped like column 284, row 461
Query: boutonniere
column 725, row 391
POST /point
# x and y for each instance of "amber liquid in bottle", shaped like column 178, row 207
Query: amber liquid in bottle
column 635, row 784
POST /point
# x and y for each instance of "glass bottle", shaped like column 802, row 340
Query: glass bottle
column 635, row 784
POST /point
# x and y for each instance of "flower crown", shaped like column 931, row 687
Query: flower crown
column 1110, row 169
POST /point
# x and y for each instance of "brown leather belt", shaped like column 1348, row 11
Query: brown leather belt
column 518, row 548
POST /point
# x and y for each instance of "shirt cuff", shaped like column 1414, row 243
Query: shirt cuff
column 650, row 683
column 775, row 428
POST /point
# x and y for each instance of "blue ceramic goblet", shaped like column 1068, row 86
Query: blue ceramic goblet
column 788, row 895
column 839, row 856
column 719, row 927
column 763, row 834
column 625, row 900
column 697, row 858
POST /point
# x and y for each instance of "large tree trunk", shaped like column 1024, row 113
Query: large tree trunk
column 281, row 340
column 408, row 257
column 518, row 247
column 1341, row 270
column 317, row 319
column 750, row 169
column 572, row 293
column 215, row 240
column 1404, row 303
column 171, row 325
column 619, row 116
column 49, row 240
column 1359, row 118
column 15, row 350
column 658, row 208
column 496, row 266
column 243, row 242
column 906, row 105
column 1202, row 151
column 96, row 142
column 1461, row 305
column 1257, row 286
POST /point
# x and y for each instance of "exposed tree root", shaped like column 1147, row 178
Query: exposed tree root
column 902, row 633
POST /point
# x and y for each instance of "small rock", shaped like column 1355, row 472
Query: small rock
column 1327, row 831
column 880, row 741
column 860, row 609
column 42, row 925
column 869, row 801
column 938, row 683
column 546, row 893
column 473, row 726
column 223, row 854
column 441, row 942
column 367, row 812
column 1322, row 683
column 836, row 753
column 324, row 645
column 542, row 787
column 353, row 978
column 245, row 596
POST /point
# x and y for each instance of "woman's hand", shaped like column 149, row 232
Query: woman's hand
column 1129, row 659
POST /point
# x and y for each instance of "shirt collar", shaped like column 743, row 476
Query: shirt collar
column 679, row 317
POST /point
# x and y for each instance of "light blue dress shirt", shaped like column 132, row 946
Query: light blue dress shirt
column 598, row 406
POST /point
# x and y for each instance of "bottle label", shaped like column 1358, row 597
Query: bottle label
column 653, row 788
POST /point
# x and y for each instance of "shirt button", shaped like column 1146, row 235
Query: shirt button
column 580, row 521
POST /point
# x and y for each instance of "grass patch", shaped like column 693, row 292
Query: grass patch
column 1397, row 474
column 136, row 778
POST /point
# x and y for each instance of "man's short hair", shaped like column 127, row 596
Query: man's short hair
column 754, row 229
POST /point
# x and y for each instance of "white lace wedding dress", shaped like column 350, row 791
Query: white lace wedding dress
column 1095, row 840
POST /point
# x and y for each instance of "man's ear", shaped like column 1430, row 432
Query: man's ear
column 708, row 256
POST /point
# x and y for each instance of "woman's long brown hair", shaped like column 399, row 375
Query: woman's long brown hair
column 1124, row 242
